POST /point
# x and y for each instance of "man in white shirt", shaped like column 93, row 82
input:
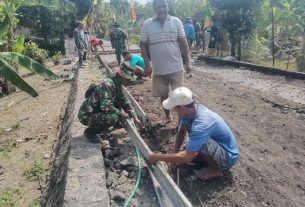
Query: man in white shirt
column 163, row 37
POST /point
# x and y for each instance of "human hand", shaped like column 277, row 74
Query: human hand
column 137, row 122
column 149, row 70
column 153, row 158
column 188, row 68
column 124, row 115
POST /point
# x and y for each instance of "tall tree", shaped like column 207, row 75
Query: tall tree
column 238, row 18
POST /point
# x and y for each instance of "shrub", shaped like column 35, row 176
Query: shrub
column 56, row 58
column 32, row 50
column 35, row 171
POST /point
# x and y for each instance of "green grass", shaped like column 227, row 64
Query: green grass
column 35, row 202
column 5, row 152
column 16, row 125
column 9, row 196
column 35, row 171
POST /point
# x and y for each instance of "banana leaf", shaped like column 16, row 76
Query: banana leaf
column 4, row 26
column 29, row 64
column 9, row 73
column 19, row 45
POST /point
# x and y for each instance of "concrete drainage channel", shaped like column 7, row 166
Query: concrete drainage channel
column 122, row 171
column 121, row 167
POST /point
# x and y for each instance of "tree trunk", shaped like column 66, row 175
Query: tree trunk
column 8, row 87
column 233, row 46
column 239, row 48
column 301, row 57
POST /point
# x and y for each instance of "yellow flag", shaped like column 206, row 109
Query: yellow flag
column 207, row 22
column 94, row 2
column 85, row 20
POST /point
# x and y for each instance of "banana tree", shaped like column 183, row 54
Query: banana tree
column 8, row 59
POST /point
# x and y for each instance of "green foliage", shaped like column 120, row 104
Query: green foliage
column 256, row 50
column 4, row 25
column 35, row 202
column 7, row 71
column 238, row 17
column 102, row 18
column 9, row 196
column 35, row 171
column 56, row 58
column 134, row 39
column 186, row 8
column 19, row 44
column 32, row 50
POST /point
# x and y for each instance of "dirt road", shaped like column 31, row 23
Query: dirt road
column 267, row 115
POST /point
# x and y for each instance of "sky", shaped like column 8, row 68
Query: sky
column 142, row 1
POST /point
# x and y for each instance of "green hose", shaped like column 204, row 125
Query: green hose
column 138, row 179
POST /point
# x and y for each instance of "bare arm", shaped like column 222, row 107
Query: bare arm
column 180, row 139
column 185, row 156
column 185, row 50
column 144, row 53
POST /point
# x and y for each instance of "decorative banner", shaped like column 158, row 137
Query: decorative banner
column 133, row 12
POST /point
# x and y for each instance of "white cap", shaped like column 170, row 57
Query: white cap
column 180, row 96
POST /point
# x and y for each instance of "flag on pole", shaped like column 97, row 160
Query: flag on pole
column 133, row 12
column 85, row 20
column 207, row 20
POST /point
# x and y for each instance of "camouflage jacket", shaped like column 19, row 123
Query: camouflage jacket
column 107, row 97
column 118, row 37
column 79, row 42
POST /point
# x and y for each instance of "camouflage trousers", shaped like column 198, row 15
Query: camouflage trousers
column 98, row 122
column 80, row 54
column 118, row 52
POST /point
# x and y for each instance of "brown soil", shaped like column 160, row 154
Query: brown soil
column 28, row 131
column 267, row 115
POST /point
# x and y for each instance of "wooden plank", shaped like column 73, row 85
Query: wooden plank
column 177, row 198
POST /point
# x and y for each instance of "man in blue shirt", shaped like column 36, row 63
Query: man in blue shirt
column 136, row 63
column 189, row 32
column 210, row 138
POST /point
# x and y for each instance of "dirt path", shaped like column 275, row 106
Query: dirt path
column 28, row 131
column 267, row 114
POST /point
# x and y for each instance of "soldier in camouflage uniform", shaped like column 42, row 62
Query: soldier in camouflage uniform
column 79, row 42
column 102, row 107
column 118, row 41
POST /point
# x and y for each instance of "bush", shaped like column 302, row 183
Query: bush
column 32, row 50
column 35, row 171
column 56, row 58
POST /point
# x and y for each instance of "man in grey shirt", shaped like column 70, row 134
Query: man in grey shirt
column 163, row 37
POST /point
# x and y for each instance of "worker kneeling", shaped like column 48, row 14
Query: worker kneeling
column 210, row 138
column 102, row 107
